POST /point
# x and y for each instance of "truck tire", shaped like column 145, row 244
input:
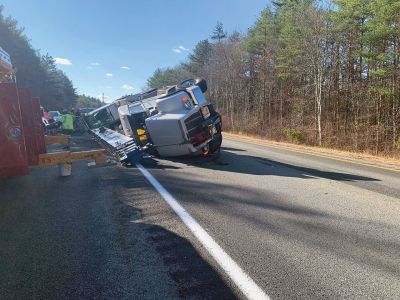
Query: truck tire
column 215, row 143
column 186, row 83
column 201, row 83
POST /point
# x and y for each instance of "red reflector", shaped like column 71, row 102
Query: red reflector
column 199, row 138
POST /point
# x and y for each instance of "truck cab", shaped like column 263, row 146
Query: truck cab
column 174, row 121
column 105, row 116
column 179, row 121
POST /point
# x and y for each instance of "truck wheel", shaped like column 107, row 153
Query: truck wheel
column 215, row 143
column 201, row 83
column 186, row 83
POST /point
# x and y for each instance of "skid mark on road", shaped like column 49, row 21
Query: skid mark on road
column 245, row 284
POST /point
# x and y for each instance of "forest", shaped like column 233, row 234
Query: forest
column 319, row 73
column 38, row 72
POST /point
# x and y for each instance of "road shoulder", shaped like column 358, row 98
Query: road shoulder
column 355, row 158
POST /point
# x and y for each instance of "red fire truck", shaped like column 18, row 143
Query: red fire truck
column 22, row 139
column 21, row 132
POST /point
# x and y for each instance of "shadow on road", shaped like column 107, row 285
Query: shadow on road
column 229, row 161
column 81, row 237
column 193, row 276
column 361, row 241
column 233, row 149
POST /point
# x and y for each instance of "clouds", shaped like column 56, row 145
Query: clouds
column 180, row 49
column 183, row 48
column 93, row 64
column 62, row 61
column 127, row 87
column 111, row 79
column 103, row 97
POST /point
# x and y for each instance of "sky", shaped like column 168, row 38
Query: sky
column 113, row 47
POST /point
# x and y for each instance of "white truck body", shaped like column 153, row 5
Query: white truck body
column 179, row 121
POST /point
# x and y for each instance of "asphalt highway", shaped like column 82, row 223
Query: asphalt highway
column 299, row 225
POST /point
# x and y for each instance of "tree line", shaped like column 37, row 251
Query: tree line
column 321, row 73
column 39, row 72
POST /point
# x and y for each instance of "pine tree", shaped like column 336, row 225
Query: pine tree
column 36, row 72
column 200, row 57
column 218, row 34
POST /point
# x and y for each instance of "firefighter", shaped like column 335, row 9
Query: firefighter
column 67, row 122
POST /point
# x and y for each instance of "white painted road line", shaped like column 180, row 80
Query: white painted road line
column 243, row 281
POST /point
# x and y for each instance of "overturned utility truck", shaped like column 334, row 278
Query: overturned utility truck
column 174, row 121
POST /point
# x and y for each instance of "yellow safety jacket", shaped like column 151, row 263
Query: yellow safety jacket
column 67, row 122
